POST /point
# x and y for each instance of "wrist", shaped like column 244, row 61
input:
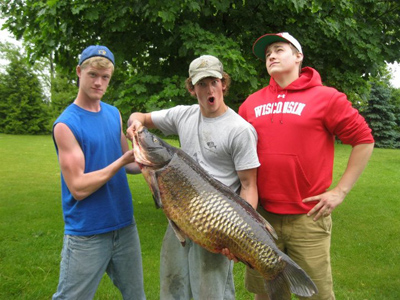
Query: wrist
column 342, row 190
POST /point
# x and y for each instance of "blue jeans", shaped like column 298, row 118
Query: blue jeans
column 85, row 259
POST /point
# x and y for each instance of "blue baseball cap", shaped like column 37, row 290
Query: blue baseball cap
column 96, row 50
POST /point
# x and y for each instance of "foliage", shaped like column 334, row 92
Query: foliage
column 22, row 110
column 63, row 93
column 395, row 102
column 154, row 41
column 379, row 115
column 365, row 260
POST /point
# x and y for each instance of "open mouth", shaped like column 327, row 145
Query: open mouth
column 211, row 100
column 139, row 152
column 136, row 148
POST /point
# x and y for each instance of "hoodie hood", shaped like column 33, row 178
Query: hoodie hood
column 309, row 78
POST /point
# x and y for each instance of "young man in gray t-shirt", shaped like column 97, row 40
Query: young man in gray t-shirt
column 224, row 144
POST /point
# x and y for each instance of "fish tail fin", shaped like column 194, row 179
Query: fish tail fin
column 300, row 283
column 277, row 288
column 292, row 279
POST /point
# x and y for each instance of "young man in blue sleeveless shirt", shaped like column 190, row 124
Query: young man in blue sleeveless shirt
column 100, row 230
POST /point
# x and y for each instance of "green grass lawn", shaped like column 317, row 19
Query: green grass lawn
column 365, row 241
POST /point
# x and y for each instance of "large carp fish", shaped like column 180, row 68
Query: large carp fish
column 215, row 217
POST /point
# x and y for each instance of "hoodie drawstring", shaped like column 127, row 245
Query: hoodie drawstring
column 281, row 98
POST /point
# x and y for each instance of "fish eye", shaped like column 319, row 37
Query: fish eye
column 155, row 141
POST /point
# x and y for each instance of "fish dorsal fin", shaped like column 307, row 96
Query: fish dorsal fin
column 270, row 229
column 179, row 234
column 260, row 218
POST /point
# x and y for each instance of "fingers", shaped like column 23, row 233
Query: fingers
column 128, row 157
column 309, row 199
column 130, row 131
column 322, row 209
column 229, row 255
column 322, row 213
column 129, row 135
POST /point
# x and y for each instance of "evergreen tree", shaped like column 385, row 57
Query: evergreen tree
column 395, row 101
column 63, row 93
column 22, row 110
column 380, row 116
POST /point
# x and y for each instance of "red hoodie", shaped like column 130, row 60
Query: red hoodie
column 296, row 129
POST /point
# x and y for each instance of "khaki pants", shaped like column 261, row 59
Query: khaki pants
column 307, row 242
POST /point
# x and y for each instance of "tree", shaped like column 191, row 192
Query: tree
column 63, row 93
column 381, row 118
column 154, row 41
column 395, row 102
column 22, row 109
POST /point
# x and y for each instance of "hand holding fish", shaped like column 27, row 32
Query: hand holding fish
column 328, row 201
column 133, row 125
column 229, row 255
column 136, row 121
column 128, row 157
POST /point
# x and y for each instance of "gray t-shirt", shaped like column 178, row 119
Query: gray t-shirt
column 221, row 145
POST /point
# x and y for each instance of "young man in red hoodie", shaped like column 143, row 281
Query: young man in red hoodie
column 297, row 119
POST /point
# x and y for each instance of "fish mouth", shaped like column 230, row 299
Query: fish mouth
column 138, row 150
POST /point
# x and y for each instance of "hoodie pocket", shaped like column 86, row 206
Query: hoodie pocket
column 281, row 177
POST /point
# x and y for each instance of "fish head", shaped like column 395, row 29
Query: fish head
column 150, row 150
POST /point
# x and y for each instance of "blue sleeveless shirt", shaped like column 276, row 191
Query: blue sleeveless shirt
column 99, row 136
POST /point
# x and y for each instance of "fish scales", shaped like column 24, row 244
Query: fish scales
column 215, row 217
column 208, row 218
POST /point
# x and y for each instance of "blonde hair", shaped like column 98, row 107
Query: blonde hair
column 98, row 62
column 226, row 80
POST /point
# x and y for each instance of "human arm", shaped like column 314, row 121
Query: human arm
column 136, row 120
column 248, row 191
column 131, row 168
column 248, row 182
column 72, row 164
column 329, row 200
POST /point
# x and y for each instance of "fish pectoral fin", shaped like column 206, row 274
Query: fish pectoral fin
column 155, row 190
column 179, row 234
column 157, row 201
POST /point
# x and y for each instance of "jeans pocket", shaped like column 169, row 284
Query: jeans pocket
column 326, row 223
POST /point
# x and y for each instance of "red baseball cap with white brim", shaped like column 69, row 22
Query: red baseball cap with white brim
column 264, row 41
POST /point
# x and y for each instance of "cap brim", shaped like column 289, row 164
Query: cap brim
column 262, row 42
column 204, row 74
